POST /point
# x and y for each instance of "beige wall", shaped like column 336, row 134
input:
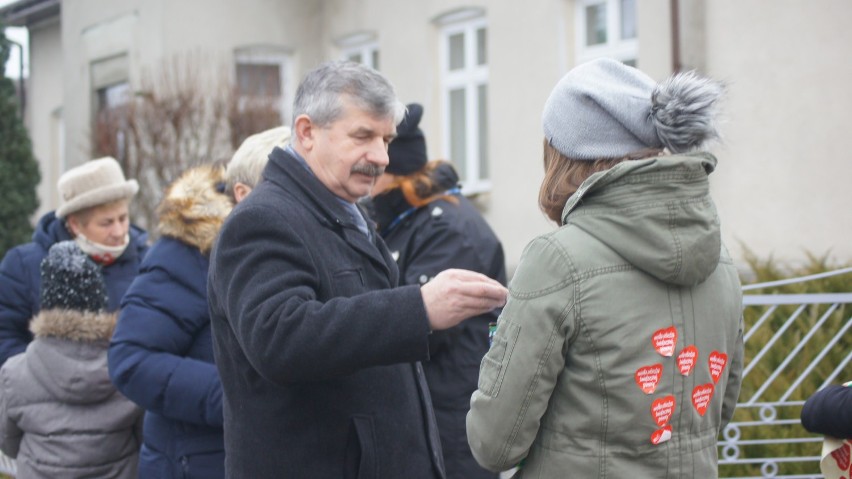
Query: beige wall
column 778, row 184
column 782, row 185
column 44, row 108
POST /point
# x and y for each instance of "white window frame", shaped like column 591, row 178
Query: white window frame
column 266, row 55
column 361, row 43
column 471, row 77
column 615, row 47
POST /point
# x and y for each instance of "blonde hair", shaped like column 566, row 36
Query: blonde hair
column 248, row 162
column 563, row 176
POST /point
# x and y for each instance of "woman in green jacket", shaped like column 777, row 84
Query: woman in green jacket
column 619, row 352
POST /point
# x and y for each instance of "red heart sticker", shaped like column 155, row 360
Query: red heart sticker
column 701, row 396
column 662, row 409
column 661, row 435
column 686, row 359
column 717, row 363
column 842, row 457
column 647, row 377
column 665, row 340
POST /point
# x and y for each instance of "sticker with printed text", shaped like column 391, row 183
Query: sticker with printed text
column 665, row 340
column 661, row 435
column 662, row 409
column 717, row 363
column 686, row 359
column 701, row 396
column 647, row 377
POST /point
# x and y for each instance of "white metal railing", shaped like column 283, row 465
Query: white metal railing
column 765, row 438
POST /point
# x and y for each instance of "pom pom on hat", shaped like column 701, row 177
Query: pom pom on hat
column 70, row 280
column 407, row 152
column 604, row 109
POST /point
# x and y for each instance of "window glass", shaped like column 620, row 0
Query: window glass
column 458, row 131
column 259, row 79
column 628, row 19
column 481, row 50
column 596, row 24
column 482, row 93
column 457, row 51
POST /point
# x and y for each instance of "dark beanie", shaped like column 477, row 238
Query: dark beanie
column 407, row 151
column 70, row 280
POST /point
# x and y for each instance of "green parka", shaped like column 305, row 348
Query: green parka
column 619, row 352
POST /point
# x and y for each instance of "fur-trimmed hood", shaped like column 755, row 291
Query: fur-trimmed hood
column 194, row 208
column 80, row 326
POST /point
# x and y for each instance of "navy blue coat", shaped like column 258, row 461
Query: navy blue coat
column 161, row 353
column 316, row 348
column 20, row 280
column 426, row 241
column 829, row 412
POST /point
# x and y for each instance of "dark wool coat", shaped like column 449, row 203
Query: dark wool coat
column 60, row 416
column 161, row 355
column 430, row 239
column 20, row 280
column 829, row 412
column 316, row 350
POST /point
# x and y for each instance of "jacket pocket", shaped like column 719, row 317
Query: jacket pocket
column 360, row 461
column 493, row 366
column 348, row 282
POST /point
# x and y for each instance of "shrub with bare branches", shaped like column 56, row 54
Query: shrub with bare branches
column 184, row 113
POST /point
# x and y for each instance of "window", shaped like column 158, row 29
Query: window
column 111, row 93
column 263, row 78
column 607, row 28
column 464, row 83
column 360, row 47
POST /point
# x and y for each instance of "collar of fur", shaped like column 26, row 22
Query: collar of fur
column 195, row 207
column 82, row 326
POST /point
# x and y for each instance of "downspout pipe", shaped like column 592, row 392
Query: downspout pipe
column 21, row 85
column 675, row 14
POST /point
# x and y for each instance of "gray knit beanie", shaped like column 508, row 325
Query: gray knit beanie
column 604, row 109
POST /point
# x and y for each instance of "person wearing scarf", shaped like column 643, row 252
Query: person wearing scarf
column 93, row 212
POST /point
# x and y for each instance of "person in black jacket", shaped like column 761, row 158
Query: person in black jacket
column 829, row 411
column 429, row 226
column 316, row 346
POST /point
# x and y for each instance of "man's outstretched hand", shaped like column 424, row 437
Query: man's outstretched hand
column 457, row 294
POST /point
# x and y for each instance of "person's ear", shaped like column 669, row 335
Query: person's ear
column 305, row 131
column 241, row 190
column 73, row 225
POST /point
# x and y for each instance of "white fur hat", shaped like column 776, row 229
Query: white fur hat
column 93, row 183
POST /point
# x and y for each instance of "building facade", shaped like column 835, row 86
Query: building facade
column 483, row 70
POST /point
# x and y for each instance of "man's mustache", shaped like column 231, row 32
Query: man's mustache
column 369, row 170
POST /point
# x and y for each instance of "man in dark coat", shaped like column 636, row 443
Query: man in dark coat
column 94, row 213
column 316, row 346
column 430, row 226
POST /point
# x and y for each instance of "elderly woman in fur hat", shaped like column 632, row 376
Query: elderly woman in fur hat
column 60, row 416
column 93, row 211
column 619, row 352
column 161, row 355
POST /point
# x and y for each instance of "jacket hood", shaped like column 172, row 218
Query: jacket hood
column 656, row 213
column 68, row 356
column 194, row 207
